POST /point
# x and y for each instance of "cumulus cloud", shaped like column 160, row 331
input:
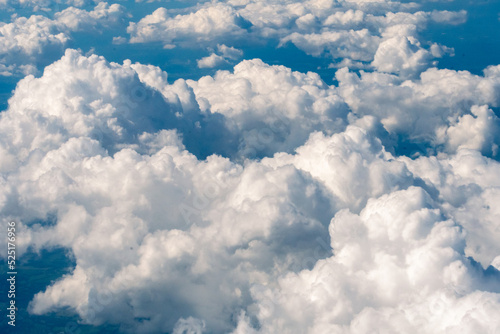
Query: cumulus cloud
column 422, row 111
column 352, row 44
column 211, row 61
column 209, row 22
column 226, row 54
column 272, row 108
column 37, row 39
column 258, row 199
column 454, row 18
column 468, row 183
column 65, row 166
column 398, row 267
column 351, row 30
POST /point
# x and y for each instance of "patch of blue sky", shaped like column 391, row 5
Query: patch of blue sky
column 476, row 42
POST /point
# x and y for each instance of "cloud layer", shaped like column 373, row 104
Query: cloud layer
column 257, row 199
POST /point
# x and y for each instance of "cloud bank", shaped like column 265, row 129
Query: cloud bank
column 258, row 199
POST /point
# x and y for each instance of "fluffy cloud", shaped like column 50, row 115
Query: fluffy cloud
column 435, row 111
column 468, row 183
column 226, row 53
column 63, row 165
column 449, row 17
column 209, row 22
column 260, row 199
column 272, row 108
column 28, row 41
column 24, row 39
column 399, row 266
column 211, row 61
column 355, row 31
column 352, row 44
column 166, row 240
column 400, row 55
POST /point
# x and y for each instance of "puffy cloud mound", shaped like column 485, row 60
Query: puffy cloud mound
column 28, row 41
column 140, row 213
column 209, row 22
column 225, row 54
column 399, row 266
column 257, row 199
column 381, row 35
column 114, row 104
column 468, row 185
column 441, row 111
column 272, row 108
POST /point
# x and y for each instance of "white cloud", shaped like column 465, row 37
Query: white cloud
column 211, row 61
column 37, row 39
column 102, row 16
column 399, row 55
column 229, row 52
column 261, row 199
column 356, row 45
column 179, row 243
column 225, row 55
column 349, row 30
column 448, row 17
column 468, row 183
column 25, row 38
column 477, row 131
column 422, row 110
column 398, row 267
column 207, row 23
column 272, row 108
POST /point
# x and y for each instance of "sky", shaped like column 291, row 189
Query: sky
column 251, row 167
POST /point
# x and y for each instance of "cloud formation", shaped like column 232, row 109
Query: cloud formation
column 179, row 243
column 28, row 41
column 257, row 199
column 367, row 32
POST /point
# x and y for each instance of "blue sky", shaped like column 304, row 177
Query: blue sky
column 252, row 166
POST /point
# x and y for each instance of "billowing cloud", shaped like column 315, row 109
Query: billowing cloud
column 399, row 266
column 175, row 242
column 355, row 31
column 212, row 21
column 257, row 199
column 28, row 41
column 435, row 111
column 271, row 107
column 225, row 54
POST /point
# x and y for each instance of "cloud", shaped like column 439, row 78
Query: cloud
column 226, row 54
column 477, row 131
column 353, row 31
column 28, row 41
column 448, row 17
column 272, row 108
column 102, row 16
column 211, row 61
column 258, row 199
column 421, row 111
column 468, row 183
column 356, row 45
column 207, row 23
column 399, row 55
column 24, row 39
column 165, row 240
column 398, row 267
column 229, row 52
